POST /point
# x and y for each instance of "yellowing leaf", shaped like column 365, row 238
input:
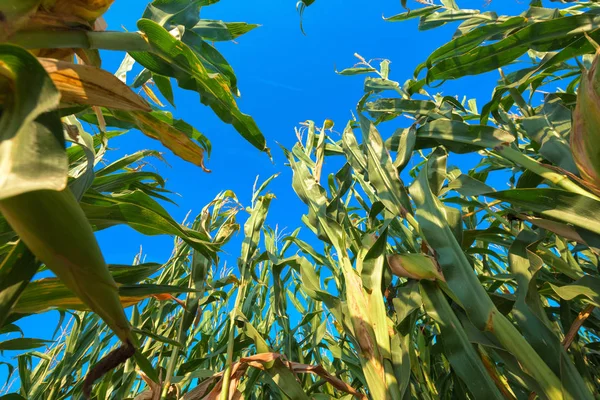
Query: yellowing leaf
column 85, row 84
column 174, row 139
column 151, row 94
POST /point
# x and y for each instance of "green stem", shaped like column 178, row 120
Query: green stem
column 120, row 41
column 175, row 353
column 230, row 340
column 181, row 250
column 414, row 223
column 52, row 392
column 557, row 179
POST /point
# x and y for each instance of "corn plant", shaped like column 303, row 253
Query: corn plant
column 51, row 81
column 411, row 276
column 496, row 310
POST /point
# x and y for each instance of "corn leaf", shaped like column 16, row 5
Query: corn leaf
column 32, row 155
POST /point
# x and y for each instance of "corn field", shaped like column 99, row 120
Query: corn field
column 408, row 277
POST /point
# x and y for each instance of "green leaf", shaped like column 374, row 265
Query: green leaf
column 212, row 59
column 23, row 344
column 216, row 31
column 399, row 106
column 12, row 396
column 469, row 186
column 553, row 147
column 171, row 57
column 472, row 39
column 130, row 274
column 11, row 328
column 465, row 286
column 356, row 71
column 379, row 84
column 437, row 19
column 530, row 315
column 157, row 337
column 312, row 286
column 455, row 266
column 557, row 204
column 407, row 138
column 84, row 173
column 457, row 136
column 382, row 173
column 32, row 155
column 16, row 270
column 544, row 35
column 588, row 287
column 253, row 228
column 47, row 294
column 142, row 213
column 176, row 12
column 421, row 12
column 127, row 181
column 457, row 347
column 127, row 161
column 163, row 84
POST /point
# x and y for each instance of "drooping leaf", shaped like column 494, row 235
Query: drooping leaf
column 142, row 213
column 174, row 134
column 171, row 57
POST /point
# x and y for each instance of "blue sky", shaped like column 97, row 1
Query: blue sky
column 285, row 78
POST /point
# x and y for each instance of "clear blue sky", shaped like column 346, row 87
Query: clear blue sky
column 285, row 78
